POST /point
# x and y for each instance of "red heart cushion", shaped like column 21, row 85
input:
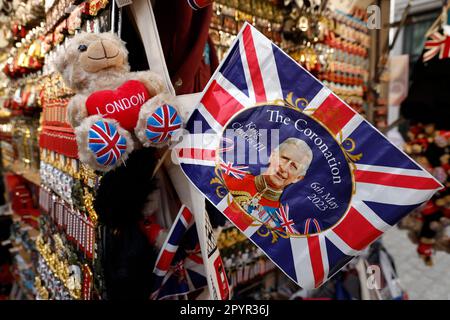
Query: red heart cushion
column 122, row 104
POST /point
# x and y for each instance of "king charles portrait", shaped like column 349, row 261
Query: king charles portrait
column 260, row 195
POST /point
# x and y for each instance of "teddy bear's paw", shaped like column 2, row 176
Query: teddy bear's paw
column 162, row 124
column 107, row 144
column 158, row 124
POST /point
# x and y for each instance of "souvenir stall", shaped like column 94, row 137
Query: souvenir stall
column 89, row 222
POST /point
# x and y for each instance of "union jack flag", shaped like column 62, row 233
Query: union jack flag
column 106, row 142
column 179, row 268
column 387, row 183
column 437, row 43
column 162, row 124
column 234, row 170
column 286, row 223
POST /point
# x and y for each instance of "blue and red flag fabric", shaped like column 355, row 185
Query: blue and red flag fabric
column 437, row 43
column 357, row 185
column 162, row 124
column 106, row 142
column 179, row 268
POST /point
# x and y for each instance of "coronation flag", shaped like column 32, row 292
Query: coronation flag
column 357, row 186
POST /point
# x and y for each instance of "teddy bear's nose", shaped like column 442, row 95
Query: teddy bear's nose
column 110, row 49
column 103, row 49
column 101, row 54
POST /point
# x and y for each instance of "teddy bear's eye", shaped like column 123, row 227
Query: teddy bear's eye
column 82, row 48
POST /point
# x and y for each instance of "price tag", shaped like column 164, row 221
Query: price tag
column 123, row 3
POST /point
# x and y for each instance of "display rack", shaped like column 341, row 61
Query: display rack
column 39, row 154
column 333, row 45
column 29, row 174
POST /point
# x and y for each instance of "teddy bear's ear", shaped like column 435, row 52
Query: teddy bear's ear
column 64, row 65
column 60, row 62
column 111, row 36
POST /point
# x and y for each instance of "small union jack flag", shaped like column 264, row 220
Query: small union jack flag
column 106, row 143
column 162, row 124
column 236, row 171
column 286, row 223
column 179, row 268
column 437, row 43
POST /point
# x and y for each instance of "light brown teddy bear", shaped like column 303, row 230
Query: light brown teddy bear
column 114, row 110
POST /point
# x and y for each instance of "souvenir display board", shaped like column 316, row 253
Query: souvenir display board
column 333, row 45
column 54, row 231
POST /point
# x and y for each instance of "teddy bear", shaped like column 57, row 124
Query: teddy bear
column 113, row 111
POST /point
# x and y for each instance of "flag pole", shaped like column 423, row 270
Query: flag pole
column 160, row 162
